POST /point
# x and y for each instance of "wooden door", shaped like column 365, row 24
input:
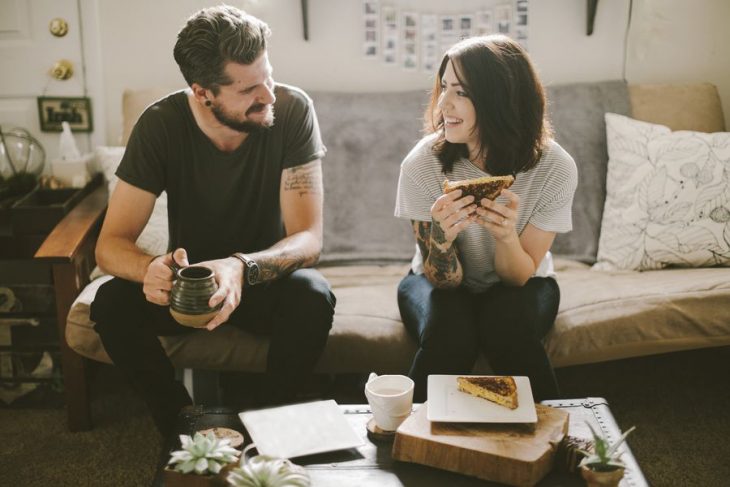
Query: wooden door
column 28, row 51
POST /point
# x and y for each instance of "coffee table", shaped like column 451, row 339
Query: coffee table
column 372, row 465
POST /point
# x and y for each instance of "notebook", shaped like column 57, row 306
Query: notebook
column 300, row 429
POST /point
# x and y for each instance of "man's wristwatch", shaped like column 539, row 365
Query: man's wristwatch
column 250, row 269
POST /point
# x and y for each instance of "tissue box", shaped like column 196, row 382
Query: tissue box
column 75, row 173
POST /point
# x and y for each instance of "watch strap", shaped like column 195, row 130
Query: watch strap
column 247, row 263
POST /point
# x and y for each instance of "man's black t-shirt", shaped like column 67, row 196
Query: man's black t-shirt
column 218, row 202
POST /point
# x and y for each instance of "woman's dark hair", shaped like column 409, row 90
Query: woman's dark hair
column 509, row 100
column 214, row 36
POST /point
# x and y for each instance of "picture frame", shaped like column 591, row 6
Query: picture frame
column 52, row 111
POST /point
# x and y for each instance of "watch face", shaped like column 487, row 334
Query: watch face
column 253, row 274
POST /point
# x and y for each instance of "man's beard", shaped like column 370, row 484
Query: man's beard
column 247, row 126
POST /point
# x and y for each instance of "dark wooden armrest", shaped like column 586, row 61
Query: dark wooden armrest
column 69, row 248
column 76, row 230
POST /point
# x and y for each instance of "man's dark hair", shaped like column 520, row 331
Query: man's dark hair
column 215, row 36
column 509, row 100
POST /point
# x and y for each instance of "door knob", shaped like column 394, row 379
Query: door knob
column 62, row 70
column 58, row 27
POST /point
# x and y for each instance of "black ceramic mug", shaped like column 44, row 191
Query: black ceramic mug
column 191, row 290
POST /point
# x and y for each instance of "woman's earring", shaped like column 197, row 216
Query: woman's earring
column 208, row 103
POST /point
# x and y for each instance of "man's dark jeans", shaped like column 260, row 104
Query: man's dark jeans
column 296, row 312
column 506, row 323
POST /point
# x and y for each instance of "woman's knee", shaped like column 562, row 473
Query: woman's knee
column 521, row 313
column 440, row 319
column 448, row 332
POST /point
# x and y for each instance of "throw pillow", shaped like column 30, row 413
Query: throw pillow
column 154, row 236
column 667, row 198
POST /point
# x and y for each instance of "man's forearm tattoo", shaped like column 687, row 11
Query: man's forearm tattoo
column 303, row 179
column 274, row 268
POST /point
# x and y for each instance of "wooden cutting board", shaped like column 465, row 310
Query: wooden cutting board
column 513, row 454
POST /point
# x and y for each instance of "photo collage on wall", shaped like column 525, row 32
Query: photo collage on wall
column 417, row 40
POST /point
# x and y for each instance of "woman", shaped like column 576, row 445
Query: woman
column 481, row 279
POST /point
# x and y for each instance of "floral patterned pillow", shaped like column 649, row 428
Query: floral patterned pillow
column 667, row 198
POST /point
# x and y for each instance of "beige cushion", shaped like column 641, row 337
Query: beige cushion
column 80, row 334
column 134, row 103
column 603, row 316
column 612, row 315
column 366, row 319
column 679, row 107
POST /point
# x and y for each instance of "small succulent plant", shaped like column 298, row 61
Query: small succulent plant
column 203, row 454
column 605, row 456
column 265, row 471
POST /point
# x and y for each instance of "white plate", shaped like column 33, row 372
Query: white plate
column 300, row 429
column 446, row 403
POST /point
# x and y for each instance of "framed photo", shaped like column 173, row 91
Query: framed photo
column 75, row 111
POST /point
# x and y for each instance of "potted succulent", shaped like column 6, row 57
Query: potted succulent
column 266, row 471
column 603, row 466
column 202, row 461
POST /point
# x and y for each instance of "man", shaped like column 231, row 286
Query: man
column 244, row 199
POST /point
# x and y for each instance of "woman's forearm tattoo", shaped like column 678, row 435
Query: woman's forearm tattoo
column 439, row 258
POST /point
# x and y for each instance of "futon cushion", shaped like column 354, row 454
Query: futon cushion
column 693, row 106
column 602, row 316
column 576, row 111
column 366, row 335
column 609, row 315
column 361, row 168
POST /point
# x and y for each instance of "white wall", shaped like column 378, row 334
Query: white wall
column 681, row 41
column 670, row 41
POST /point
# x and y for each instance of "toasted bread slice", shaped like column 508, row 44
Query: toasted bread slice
column 501, row 390
column 487, row 187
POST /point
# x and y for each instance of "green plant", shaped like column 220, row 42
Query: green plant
column 265, row 471
column 203, row 454
column 605, row 456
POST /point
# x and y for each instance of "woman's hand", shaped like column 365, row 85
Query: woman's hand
column 499, row 219
column 451, row 214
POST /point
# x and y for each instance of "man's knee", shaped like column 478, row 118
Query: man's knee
column 112, row 297
column 307, row 294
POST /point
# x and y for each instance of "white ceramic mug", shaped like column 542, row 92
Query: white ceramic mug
column 390, row 398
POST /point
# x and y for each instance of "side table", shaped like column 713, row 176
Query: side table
column 372, row 465
column 46, row 272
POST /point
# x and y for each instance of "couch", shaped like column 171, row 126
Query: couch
column 602, row 316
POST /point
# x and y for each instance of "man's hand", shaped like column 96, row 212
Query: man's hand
column 157, row 281
column 229, row 276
